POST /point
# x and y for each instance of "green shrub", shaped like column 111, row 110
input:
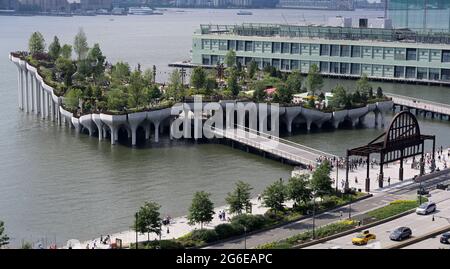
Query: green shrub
column 330, row 202
column 163, row 244
column 273, row 216
column 251, row 222
column 226, row 230
column 204, row 235
column 188, row 241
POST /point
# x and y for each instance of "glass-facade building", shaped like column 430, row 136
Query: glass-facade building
column 337, row 51
column 420, row 14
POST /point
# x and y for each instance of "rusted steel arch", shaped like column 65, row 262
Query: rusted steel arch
column 401, row 140
column 404, row 126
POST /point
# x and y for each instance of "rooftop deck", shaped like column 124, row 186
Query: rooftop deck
column 327, row 32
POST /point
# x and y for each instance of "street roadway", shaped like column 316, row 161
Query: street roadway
column 431, row 243
column 404, row 190
column 419, row 225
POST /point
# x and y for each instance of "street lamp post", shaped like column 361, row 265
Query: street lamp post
column 350, row 208
column 136, row 228
column 337, row 173
column 245, row 237
column 314, row 216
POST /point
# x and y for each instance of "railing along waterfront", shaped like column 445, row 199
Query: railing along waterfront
column 272, row 144
column 420, row 103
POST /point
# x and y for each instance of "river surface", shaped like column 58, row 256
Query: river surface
column 57, row 185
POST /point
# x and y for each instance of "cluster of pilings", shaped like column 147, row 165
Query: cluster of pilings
column 299, row 115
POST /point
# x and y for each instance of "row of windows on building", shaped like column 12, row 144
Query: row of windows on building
column 408, row 54
column 340, row 68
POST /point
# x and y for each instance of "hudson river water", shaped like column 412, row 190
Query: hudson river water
column 55, row 184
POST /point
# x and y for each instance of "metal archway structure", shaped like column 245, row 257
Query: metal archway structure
column 401, row 140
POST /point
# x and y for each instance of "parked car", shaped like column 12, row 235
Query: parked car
column 422, row 191
column 426, row 208
column 400, row 233
column 445, row 238
column 441, row 186
column 363, row 238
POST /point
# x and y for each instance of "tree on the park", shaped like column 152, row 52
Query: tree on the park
column 116, row 99
column 294, row 81
column 232, row 82
column 201, row 210
column 321, row 182
column 252, row 68
column 210, row 84
column 230, row 58
column 66, row 68
column 314, row 81
column 4, row 239
column 198, row 77
column 148, row 219
column 274, row 196
column 259, row 91
column 137, row 95
column 97, row 61
column 283, row 94
column 176, row 88
column 379, row 92
column 66, row 51
column 120, row 72
column 298, row 189
column 239, row 199
column 54, row 49
column 363, row 85
column 154, row 92
column 340, row 97
column 80, row 45
column 72, row 98
column 36, row 44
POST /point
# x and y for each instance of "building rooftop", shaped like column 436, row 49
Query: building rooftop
column 326, row 32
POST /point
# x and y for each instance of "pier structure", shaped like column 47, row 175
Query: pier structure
column 420, row 106
column 36, row 96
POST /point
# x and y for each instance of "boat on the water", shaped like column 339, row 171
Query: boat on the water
column 140, row 11
column 243, row 12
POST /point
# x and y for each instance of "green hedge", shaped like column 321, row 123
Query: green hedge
column 394, row 208
column 321, row 232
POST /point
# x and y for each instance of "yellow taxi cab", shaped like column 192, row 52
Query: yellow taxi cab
column 363, row 238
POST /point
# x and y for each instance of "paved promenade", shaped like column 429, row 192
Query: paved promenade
column 357, row 178
column 179, row 226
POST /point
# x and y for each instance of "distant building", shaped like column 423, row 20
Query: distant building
column 8, row 4
column 380, row 53
column 369, row 5
column 96, row 4
column 318, row 4
column 416, row 15
column 44, row 5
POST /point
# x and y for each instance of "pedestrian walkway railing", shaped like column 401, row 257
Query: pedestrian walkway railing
column 288, row 142
column 272, row 144
column 419, row 103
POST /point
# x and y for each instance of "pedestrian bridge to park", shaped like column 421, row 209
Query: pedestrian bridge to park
column 271, row 146
column 420, row 105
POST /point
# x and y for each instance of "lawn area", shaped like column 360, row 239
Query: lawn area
column 394, row 208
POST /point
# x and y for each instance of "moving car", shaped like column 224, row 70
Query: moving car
column 426, row 208
column 400, row 233
column 363, row 238
column 445, row 238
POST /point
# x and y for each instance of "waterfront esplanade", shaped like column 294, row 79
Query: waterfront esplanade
column 385, row 54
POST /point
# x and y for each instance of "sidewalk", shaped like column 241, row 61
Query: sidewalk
column 177, row 228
